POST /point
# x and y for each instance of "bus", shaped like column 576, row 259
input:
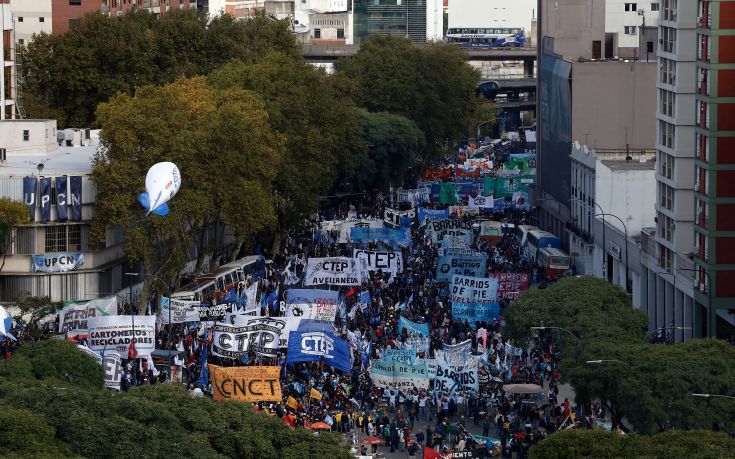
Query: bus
column 216, row 284
column 200, row 289
column 491, row 231
column 539, row 239
column 554, row 262
column 507, row 37
column 521, row 233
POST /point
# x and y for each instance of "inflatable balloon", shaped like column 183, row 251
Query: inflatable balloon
column 162, row 182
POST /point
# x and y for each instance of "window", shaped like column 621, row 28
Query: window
column 631, row 7
column 665, row 227
column 20, row 18
column 667, row 134
column 41, row 19
column 666, row 102
column 666, row 196
column 654, row 6
column 340, row 34
column 649, row 47
column 669, row 7
column 75, row 2
column 317, row 33
column 21, row 41
column 73, row 23
column 630, row 30
column 63, row 238
column 26, row 135
column 667, row 39
column 667, row 71
column 666, row 165
column 664, row 257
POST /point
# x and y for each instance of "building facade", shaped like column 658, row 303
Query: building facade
column 8, row 75
column 30, row 17
column 625, row 25
column 419, row 20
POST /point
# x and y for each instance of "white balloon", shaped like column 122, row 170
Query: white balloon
column 162, row 182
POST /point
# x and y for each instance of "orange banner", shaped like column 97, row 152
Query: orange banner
column 249, row 384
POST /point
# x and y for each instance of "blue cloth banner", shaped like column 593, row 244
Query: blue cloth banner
column 29, row 195
column 366, row 348
column 475, row 312
column 413, row 327
column 203, row 380
column 57, row 262
column 407, row 356
column 431, row 214
column 45, row 197
column 315, row 346
column 61, row 209
column 401, row 236
column 464, row 265
column 75, row 198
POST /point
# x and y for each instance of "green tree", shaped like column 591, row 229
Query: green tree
column 226, row 151
column 12, row 214
column 432, row 85
column 31, row 310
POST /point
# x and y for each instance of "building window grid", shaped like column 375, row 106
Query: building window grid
column 664, row 257
column 665, row 227
column 667, row 68
column 669, row 9
column 667, row 100
column 63, row 238
column 668, row 39
column 666, row 196
column 666, row 162
column 631, row 7
column 655, row 6
column 630, row 30
column 667, row 134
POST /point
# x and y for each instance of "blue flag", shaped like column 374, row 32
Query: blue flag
column 413, row 327
column 314, row 346
column 204, row 374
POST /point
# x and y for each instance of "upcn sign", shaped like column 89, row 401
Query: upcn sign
column 57, row 262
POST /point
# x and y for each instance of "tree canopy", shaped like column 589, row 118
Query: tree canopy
column 52, row 404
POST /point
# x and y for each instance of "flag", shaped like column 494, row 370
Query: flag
column 204, row 374
column 231, row 296
column 352, row 291
column 132, row 352
column 329, row 421
column 364, row 299
column 292, row 403
column 315, row 394
column 431, row 453
column 288, row 420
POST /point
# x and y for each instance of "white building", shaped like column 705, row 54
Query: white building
column 624, row 22
column 30, row 17
column 605, row 182
column 482, row 14
column 52, row 255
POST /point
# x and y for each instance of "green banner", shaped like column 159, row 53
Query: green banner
column 448, row 193
column 488, row 187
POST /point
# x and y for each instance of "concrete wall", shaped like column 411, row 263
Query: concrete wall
column 575, row 25
column 614, row 104
column 41, row 138
column 629, row 194
column 491, row 13
column 616, row 18
column 31, row 12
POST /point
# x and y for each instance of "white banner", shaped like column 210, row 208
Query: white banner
column 388, row 262
column 345, row 229
column 113, row 370
column 437, row 229
column 180, row 311
column 316, row 304
column 240, row 334
column 466, row 289
column 336, row 271
column 450, row 380
column 456, row 355
column 251, row 306
column 484, row 202
column 392, row 217
column 114, row 333
column 392, row 374
column 73, row 318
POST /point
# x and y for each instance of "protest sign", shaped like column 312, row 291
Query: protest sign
column 209, row 313
column 392, row 217
column 250, row 304
column 336, row 271
column 449, row 379
column 432, row 214
column 110, row 334
column 406, row 356
column 73, row 317
column 482, row 202
column 417, row 344
column 464, row 265
column 510, row 285
column 466, row 289
column 316, row 346
column 239, row 335
column 113, row 370
column 389, row 373
column 387, row 262
column 180, row 311
column 345, row 228
column 414, row 328
column 316, row 304
column 401, row 236
column 475, row 312
column 437, row 229
column 249, row 384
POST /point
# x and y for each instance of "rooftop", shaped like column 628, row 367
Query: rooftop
column 65, row 160
column 630, row 165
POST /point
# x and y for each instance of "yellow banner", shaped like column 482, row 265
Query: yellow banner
column 249, row 384
column 292, row 403
column 315, row 394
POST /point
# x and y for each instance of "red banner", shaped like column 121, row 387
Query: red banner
column 510, row 285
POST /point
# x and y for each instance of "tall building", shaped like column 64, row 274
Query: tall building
column 714, row 164
column 8, row 75
column 419, row 20
column 625, row 24
column 30, row 17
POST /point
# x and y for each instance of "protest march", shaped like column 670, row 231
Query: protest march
column 379, row 312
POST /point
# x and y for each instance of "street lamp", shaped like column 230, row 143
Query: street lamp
column 665, row 328
column 478, row 130
column 713, row 396
column 608, row 361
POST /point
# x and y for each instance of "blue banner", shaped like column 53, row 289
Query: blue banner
column 432, row 214
column 316, row 345
column 61, row 194
column 57, row 262
column 29, row 195
column 401, row 236
column 75, row 198
column 407, row 356
column 45, row 197
column 464, row 265
column 413, row 327
column 475, row 312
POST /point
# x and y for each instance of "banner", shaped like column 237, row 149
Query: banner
column 406, row 356
column 415, row 197
column 449, row 380
column 483, row 202
column 30, row 185
column 210, row 313
column 448, row 193
column 510, row 285
column 396, row 375
column 239, row 335
column 467, row 289
column 475, row 312
column 180, row 311
column 57, row 262
column 114, row 334
column 336, row 271
column 75, row 198
column 73, row 317
column 61, row 193
column 437, row 229
column 248, row 304
column 451, row 251
column 345, row 227
column 392, row 217
column 401, row 236
column 461, row 211
column 432, row 214
column 45, row 197
column 457, row 241
column 417, row 344
column 464, row 265
column 111, row 362
column 456, row 355
column 248, row 384
column 387, row 262
column 313, row 304
column 414, row 328
column 316, row 346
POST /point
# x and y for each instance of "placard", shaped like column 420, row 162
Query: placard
column 248, row 384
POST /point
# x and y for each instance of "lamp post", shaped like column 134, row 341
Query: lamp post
column 608, row 361
column 666, row 328
column 713, row 396
column 627, row 287
column 478, row 130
